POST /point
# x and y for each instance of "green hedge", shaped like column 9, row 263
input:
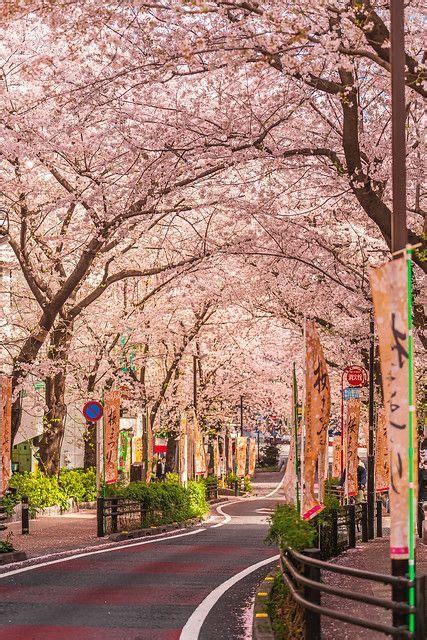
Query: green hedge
column 165, row 502
column 44, row 491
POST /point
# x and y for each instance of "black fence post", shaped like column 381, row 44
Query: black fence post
column 399, row 592
column 236, row 488
column 351, row 511
column 379, row 518
column 420, row 518
column 100, row 502
column 25, row 516
column 365, row 536
column 312, row 618
column 334, row 532
column 114, row 507
column 421, row 604
column 142, row 513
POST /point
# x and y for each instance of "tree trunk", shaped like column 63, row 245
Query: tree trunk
column 89, row 441
column 54, row 416
column 172, row 454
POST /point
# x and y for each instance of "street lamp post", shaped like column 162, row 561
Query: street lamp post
column 371, row 418
column 195, row 383
column 241, row 415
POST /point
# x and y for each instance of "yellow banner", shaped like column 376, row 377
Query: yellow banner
column 316, row 416
column 199, row 450
column 389, row 292
column 241, row 445
column 111, row 435
column 382, row 454
column 229, row 454
column 252, row 456
column 352, row 431
column 6, row 431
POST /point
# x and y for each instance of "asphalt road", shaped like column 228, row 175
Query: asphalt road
column 147, row 590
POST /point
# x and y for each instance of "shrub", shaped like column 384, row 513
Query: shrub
column 287, row 529
column 287, row 618
column 269, row 456
column 42, row 491
column 6, row 546
column 78, row 484
column 165, row 502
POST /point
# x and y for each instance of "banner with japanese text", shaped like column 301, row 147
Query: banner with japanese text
column 352, row 424
column 6, row 431
column 389, row 292
column 111, row 435
column 199, row 450
column 382, row 454
column 316, row 417
column 183, row 451
column 336, row 457
column 252, row 456
column 216, row 458
column 229, row 454
column 290, row 477
column 241, row 444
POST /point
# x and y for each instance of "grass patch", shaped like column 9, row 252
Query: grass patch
column 286, row 616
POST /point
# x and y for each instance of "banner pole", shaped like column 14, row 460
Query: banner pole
column 411, row 435
column 295, row 421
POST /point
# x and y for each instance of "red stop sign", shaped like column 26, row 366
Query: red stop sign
column 356, row 376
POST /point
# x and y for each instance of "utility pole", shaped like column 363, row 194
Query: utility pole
column 241, row 415
column 371, row 453
column 398, row 223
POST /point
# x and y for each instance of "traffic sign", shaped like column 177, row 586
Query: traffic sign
column 93, row 410
column 356, row 376
column 351, row 392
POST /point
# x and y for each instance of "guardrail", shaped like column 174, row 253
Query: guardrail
column 302, row 574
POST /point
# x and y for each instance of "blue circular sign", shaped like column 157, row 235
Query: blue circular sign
column 93, row 410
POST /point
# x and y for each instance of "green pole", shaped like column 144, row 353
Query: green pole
column 295, row 421
column 411, row 452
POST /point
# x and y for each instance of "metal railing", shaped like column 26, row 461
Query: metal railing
column 302, row 574
column 109, row 510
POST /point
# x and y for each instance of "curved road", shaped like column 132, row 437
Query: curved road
column 147, row 590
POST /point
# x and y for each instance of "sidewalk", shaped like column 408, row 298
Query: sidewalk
column 369, row 556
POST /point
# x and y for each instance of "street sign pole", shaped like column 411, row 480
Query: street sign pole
column 371, row 452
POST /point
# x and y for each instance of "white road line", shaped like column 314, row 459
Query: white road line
column 98, row 551
column 195, row 622
column 276, row 489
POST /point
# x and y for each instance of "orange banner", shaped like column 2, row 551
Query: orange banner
column 241, row 445
column 382, row 454
column 6, row 431
column 111, row 435
column 229, row 454
column 316, row 417
column 352, row 431
column 336, row 457
column 389, row 292
column 252, row 456
column 217, row 459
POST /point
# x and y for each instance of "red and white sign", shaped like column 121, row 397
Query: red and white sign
column 356, row 376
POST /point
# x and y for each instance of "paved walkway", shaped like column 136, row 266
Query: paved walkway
column 370, row 556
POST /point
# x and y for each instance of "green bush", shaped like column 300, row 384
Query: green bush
column 286, row 616
column 287, row 529
column 269, row 456
column 165, row 502
column 44, row 491
column 78, row 484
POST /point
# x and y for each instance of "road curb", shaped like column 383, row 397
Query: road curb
column 261, row 625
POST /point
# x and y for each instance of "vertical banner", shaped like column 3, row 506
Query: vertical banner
column 111, row 435
column 241, row 444
column 183, row 451
column 229, row 454
column 6, row 431
column 352, row 430
column 199, row 450
column 217, row 459
column 336, row 457
column 252, row 456
column 289, row 480
column 390, row 295
column 317, row 412
column 382, row 454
